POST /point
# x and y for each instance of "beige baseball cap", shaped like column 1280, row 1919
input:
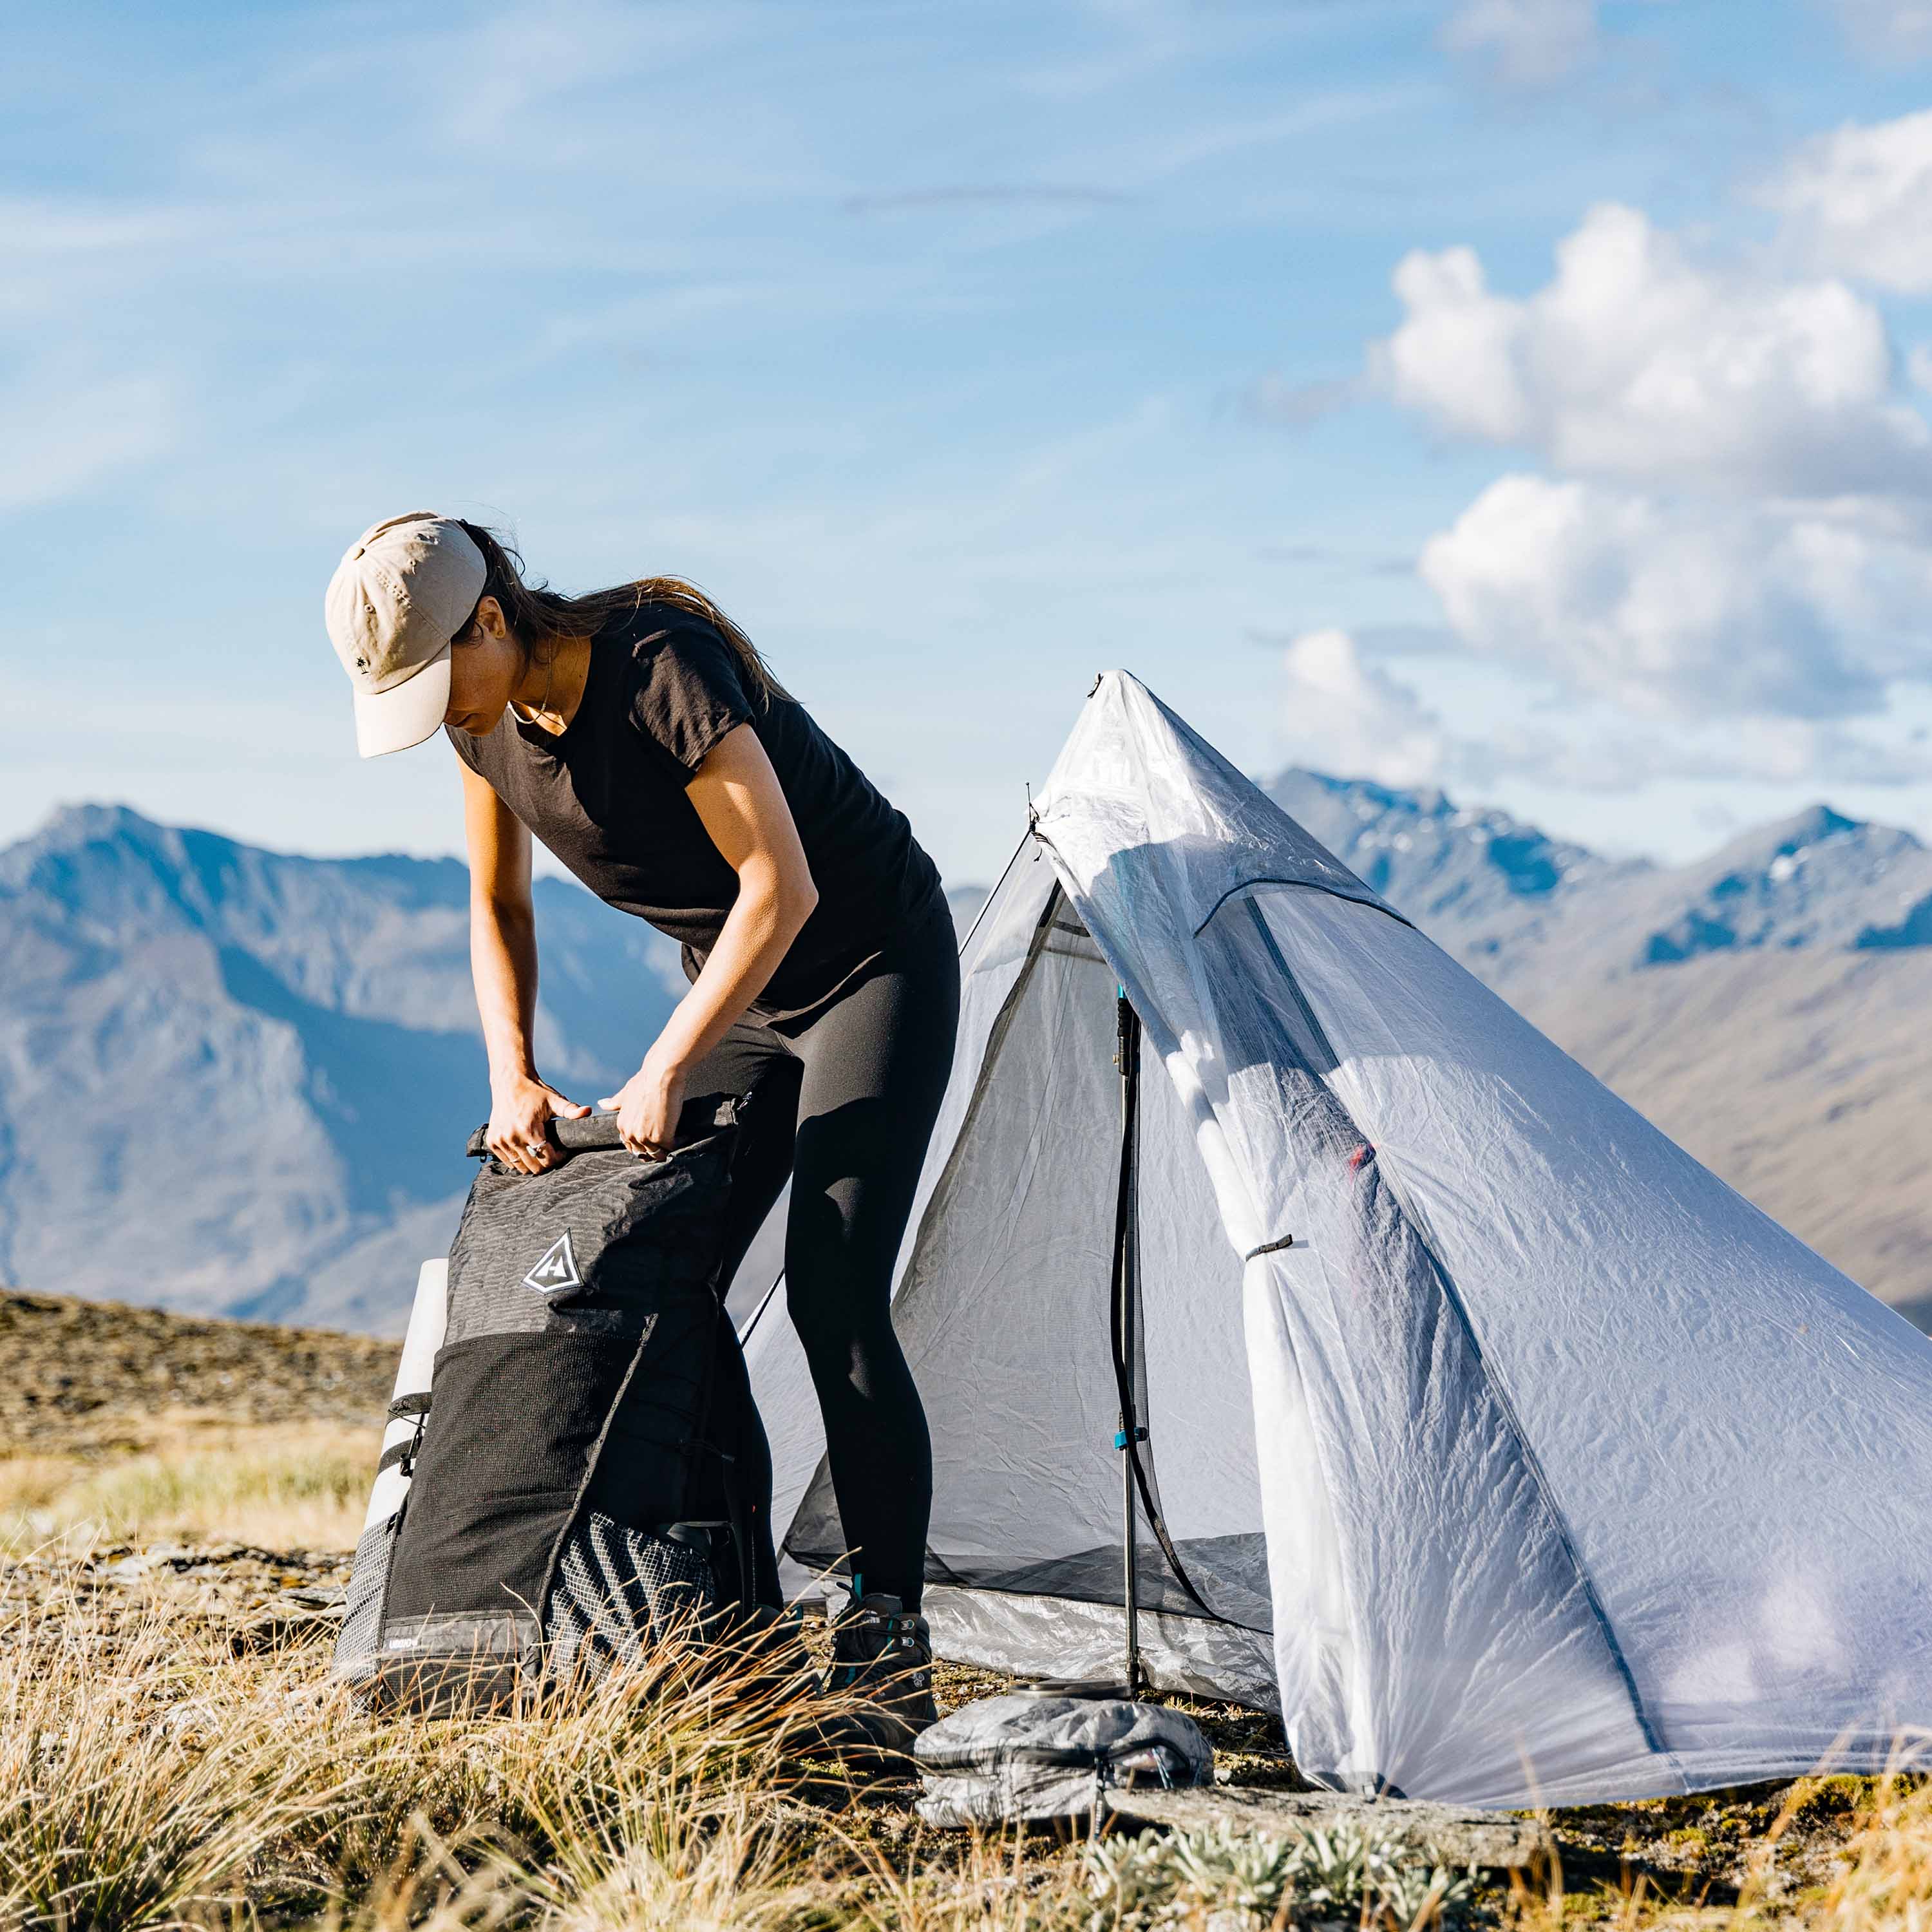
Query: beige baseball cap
column 404, row 588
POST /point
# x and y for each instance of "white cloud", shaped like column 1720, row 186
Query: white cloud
column 1887, row 29
column 1525, row 42
column 44, row 226
column 1637, row 362
column 1344, row 714
column 1601, row 757
column 1273, row 399
column 67, row 429
column 1689, row 609
column 1793, row 750
column 1734, row 555
column 1858, row 201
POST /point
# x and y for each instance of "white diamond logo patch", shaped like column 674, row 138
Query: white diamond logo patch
column 557, row 1271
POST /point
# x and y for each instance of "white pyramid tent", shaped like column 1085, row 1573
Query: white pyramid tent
column 1500, row 1446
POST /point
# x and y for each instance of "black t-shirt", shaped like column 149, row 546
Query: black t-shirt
column 607, row 796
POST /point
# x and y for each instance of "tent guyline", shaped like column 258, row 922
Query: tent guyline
column 1490, row 1439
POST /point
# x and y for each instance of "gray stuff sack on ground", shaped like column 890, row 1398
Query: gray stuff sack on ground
column 1034, row 1758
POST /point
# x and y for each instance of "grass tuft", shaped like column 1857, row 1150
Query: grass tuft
column 142, row 1774
column 282, row 1488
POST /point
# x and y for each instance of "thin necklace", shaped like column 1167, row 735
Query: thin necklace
column 542, row 705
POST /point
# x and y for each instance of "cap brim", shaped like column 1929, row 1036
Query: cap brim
column 406, row 713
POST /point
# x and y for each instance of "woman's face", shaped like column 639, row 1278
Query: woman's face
column 485, row 664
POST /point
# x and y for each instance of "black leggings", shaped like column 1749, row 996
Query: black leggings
column 843, row 1100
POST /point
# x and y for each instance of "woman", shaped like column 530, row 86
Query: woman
column 638, row 733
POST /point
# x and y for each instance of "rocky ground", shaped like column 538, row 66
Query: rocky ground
column 89, row 1384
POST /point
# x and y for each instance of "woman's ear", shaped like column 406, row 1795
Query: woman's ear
column 489, row 622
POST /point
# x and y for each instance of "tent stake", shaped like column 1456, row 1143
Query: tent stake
column 1127, row 1290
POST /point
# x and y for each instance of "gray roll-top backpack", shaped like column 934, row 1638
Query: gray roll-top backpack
column 556, row 1489
column 1034, row 1758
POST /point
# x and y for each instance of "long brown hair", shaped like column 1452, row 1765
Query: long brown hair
column 540, row 618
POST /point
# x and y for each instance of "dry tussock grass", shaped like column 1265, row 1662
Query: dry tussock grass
column 279, row 1487
column 1887, row 1885
column 150, row 1777
column 162, row 1770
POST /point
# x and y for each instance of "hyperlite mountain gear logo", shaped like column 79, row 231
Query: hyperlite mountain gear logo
column 557, row 1271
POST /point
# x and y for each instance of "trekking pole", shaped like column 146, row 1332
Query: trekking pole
column 1126, row 1295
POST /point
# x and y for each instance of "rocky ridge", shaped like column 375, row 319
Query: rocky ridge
column 87, row 1378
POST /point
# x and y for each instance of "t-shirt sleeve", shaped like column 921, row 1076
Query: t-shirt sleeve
column 686, row 694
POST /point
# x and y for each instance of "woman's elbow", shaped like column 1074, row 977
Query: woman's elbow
column 801, row 900
column 777, row 896
column 505, row 912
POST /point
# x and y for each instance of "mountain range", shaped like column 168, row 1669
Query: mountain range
column 237, row 1081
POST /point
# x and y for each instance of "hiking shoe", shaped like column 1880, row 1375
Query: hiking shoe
column 882, row 1654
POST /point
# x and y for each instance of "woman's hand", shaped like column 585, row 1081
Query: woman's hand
column 519, row 1116
column 648, row 1104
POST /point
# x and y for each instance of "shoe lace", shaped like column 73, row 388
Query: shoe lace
column 898, row 1630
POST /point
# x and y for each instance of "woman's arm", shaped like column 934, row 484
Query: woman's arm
column 738, row 798
column 503, row 963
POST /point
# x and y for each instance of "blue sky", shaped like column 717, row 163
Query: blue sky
column 1525, row 396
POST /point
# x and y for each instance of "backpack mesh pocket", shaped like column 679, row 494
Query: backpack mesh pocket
column 618, row 1591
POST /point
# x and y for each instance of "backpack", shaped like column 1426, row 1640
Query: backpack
column 552, row 1491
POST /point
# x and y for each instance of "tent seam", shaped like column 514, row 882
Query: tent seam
column 1359, row 1635
column 986, row 904
column 1366, row 897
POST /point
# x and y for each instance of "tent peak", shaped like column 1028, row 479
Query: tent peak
column 1137, row 785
